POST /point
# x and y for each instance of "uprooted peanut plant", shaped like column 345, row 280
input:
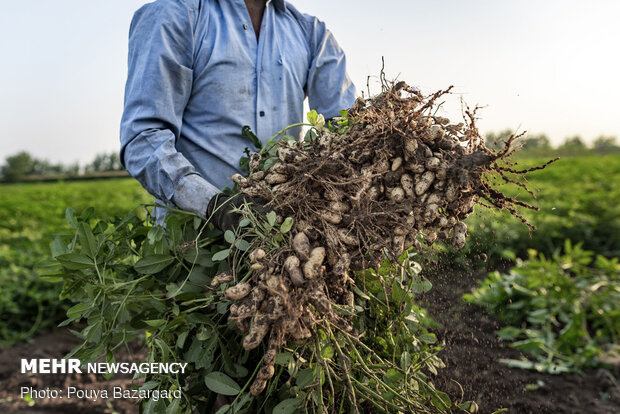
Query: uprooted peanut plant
column 310, row 306
column 396, row 174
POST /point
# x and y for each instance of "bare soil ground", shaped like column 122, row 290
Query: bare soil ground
column 57, row 344
column 472, row 354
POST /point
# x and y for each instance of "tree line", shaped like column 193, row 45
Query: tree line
column 23, row 166
column 540, row 145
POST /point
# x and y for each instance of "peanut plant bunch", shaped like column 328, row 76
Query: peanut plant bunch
column 392, row 175
column 273, row 315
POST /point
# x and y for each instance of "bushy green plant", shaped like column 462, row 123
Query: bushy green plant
column 132, row 280
column 562, row 311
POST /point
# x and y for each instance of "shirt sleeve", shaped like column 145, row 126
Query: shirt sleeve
column 329, row 87
column 159, row 85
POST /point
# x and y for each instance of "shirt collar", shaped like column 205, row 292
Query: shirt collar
column 280, row 5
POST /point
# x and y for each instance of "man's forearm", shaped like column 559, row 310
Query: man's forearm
column 193, row 194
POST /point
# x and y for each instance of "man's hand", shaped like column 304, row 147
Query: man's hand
column 221, row 210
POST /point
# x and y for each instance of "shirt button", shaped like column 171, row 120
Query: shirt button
column 262, row 113
column 245, row 26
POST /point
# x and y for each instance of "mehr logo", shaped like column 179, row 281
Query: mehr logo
column 51, row 366
column 72, row 366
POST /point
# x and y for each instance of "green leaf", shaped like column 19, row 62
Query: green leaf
column 312, row 117
column 76, row 311
column 244, row 162
column 75, row 261
column 201, row 257
column 152, row 405
column 242, row 401
column 429, row 338
column 284, row 358
column 87, row 239
column 221, row 255
column 149, row 385
column 304, row 377
column 153, row 264
column 198, row 278
column 175, row 407
column 181, row 339
column 207, row 354
column 359, row 292
column 70, row 217
column 194, row 351
column 405, row 360
column 426, row 286
column 221, row 383
column 515, row 363
column 204, row 334
column 327, row 352
column 58, row 247
column 50, row 268
column 94, row 333
column 155, row 234
column 271, row 218
column 155, row 323
column 270, row 162
column 87, row 213
column 239, row 371
column 441, row 400
column 288, row 406
column 242, row 245
column 287, row 225
column 229, row 236
column 64, row 323
column 508, row 333
column 222, row 307
column 528, row 345
column 244, row 222
column 223, row 409
column 246, row 131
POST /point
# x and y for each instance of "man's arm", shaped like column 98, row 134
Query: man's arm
column 329, row 87
column 159, row 85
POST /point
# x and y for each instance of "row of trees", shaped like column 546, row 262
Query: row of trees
column 23, row 165
column 541, row 145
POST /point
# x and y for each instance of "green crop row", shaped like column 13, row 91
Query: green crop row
column 30, row 215
column 561, row 310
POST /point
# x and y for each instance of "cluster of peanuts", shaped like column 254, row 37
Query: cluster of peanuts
column 396, row 178
column 274, row 305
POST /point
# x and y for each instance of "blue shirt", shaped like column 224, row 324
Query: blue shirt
column 197, row 75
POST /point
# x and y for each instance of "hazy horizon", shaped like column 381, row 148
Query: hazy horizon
column 545, row 67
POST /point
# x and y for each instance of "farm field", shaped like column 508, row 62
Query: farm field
column 579, row 200
column 30, row 215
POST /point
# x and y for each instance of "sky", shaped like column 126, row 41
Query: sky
column 539, row 66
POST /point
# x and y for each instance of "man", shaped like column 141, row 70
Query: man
column 199, row 70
